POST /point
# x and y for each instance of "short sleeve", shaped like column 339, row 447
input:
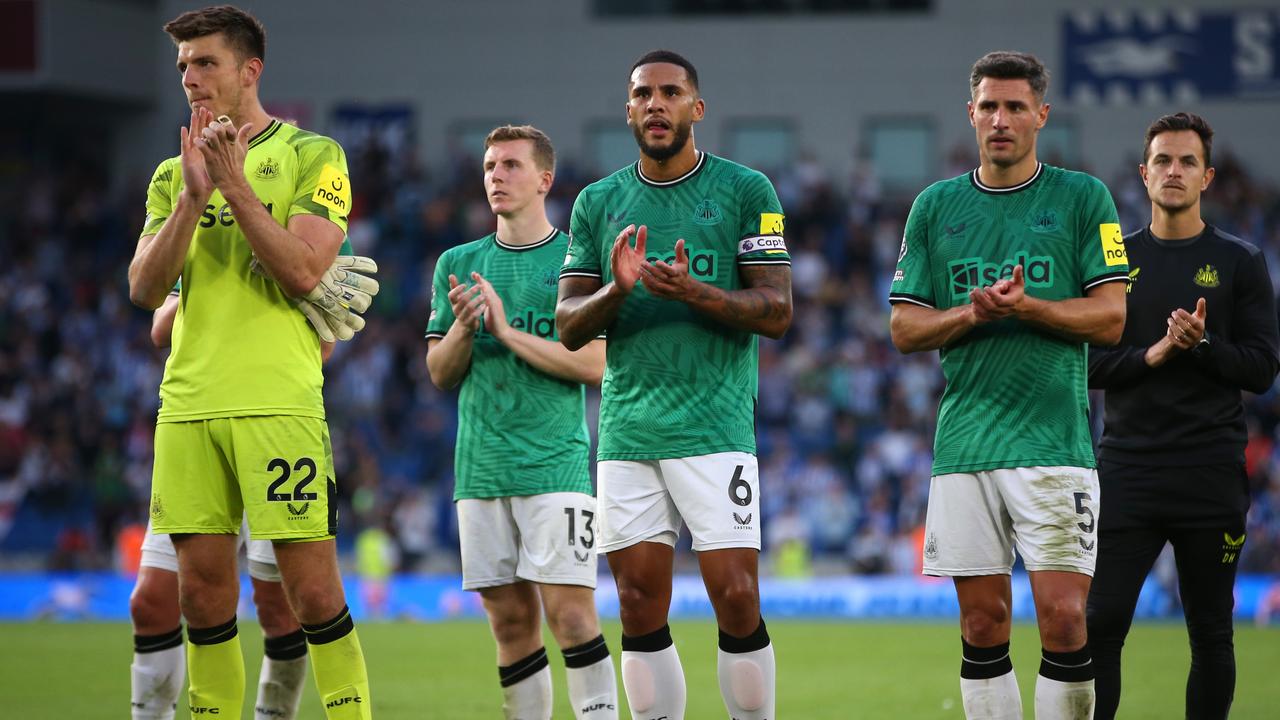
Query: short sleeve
column 159, row 198
column 762, row 224
column 582, row 258
column 323, row 187
column 441, row 317
column 1102, row 254
column 913, row 276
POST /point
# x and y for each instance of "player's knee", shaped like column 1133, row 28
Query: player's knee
column 574, row 621
column 737, row 607
column 1062, row 622
column 274, row 613
column 316, row 603
column 152, row 610
column 637, row 598
column 986, row 626
column 514, row 625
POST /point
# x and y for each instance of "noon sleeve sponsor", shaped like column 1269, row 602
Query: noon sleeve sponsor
column 334, row 190
column 323, row 188
column 1101, row 243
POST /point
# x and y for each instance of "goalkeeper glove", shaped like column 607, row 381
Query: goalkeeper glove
column 332, row 305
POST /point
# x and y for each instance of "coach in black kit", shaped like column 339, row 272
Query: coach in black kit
column 1201, row 328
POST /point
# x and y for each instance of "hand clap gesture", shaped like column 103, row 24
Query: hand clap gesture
column 223, row 148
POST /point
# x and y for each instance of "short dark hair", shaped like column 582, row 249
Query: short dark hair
column 1006, row 65
column 668, row 56
column 544, row 155
column 243, row 32
column 1181, row 121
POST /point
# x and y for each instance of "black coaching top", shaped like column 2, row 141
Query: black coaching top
column 1188, row 411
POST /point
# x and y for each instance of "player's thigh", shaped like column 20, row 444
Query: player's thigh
column 718, row 497
column 158, row 552
column 489, row 542
column 557, row 533
column 1055, row 516
column 968, row 531
column 634, row 505
column 285, row 468
column 310, row 578
column 193, row 486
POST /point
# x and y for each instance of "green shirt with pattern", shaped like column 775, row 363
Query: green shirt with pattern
column 1016, row 395
column 239, row 346
column 520, row 430
column 677, row 383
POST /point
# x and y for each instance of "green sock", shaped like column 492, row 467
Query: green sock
column 338, row 663
column 215, row 668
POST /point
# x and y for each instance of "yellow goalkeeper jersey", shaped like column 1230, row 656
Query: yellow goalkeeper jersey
column 239, row 346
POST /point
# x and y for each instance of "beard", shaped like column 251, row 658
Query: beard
column 1173, row 208
column 679, row 138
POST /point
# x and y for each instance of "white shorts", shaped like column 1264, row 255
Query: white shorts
column 975, row 520
column 717, row 496
column 548, row 538
column 158, row 552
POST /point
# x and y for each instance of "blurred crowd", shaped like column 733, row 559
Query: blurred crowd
column 845, row 422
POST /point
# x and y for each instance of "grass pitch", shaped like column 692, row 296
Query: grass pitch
column 826, row 670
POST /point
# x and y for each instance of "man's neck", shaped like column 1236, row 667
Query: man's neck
column 999, row 176
column 671, row 168
column 525, row 228
column 1181, row 224
column 251, row 112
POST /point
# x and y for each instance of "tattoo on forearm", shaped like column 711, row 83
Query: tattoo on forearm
column 766, row 298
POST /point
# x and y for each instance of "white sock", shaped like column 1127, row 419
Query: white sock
column 526, row 688
column 988, row 686
column 1064, row 687
column 994, row 698
column 593, row 690
column 280, row 688
column 652, row 676
column 157, row 675
column 747, row 675
column 1057, row 700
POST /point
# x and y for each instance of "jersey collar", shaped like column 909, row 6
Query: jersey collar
column 702, row 160
column 266, row 134
column 973, row 177
column 523, row 248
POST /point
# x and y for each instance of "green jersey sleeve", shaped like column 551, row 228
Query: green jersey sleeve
column 323, row 187
column 913, row 277
column 582, row 259
column 160, row 198
column 441, row 317
column 761, row 224
column 1102, row 254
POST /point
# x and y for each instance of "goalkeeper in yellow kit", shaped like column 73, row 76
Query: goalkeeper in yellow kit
column 250, row 215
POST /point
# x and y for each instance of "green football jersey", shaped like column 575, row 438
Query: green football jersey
column 1016, row 395
column 520, row 430
column 676, row 383
column 239, row 346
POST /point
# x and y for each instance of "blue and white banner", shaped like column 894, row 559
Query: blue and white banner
column 105, row 596
column 1161, row 56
